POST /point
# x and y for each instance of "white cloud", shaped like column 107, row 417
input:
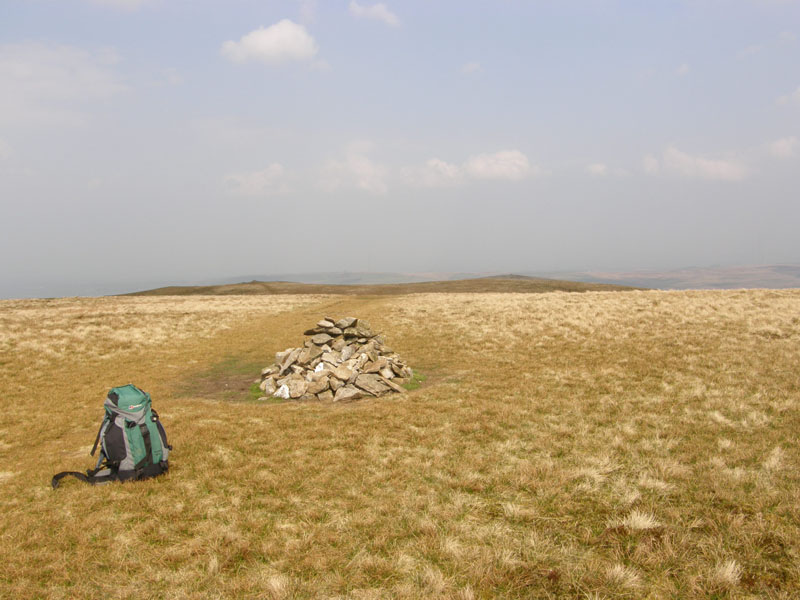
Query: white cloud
column 356, row 170
column 378, row 12
column 510, row 165
column 650, row 164
column 507, row 164
column 682, row 70
column 284, row 41
column 598, row 169
column 54, row 84
column 676, row 162
column 603, row 170
column 791, row 98
column 785, row 38
column 471, row 67
column 435, row 173
column 258, row 183
column 784, row 147
column 95, row 183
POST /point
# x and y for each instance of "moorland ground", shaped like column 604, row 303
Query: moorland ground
column 596, row 445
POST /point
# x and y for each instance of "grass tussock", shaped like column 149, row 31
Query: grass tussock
column 601, row 445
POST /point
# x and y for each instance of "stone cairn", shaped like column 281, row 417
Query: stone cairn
column 342, row 361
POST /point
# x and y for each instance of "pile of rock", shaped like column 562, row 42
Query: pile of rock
column 342, row 361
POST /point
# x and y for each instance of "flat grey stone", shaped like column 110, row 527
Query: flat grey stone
column 332, row 358
column 317, row 387
column 346, row 322
column 372, row 384
column 296, row 388
column 392, row 385
column 290, row 359
column 346, row 393
column 309, row 354
column 321, row 339
column 342, row 373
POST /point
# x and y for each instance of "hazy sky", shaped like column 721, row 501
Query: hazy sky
column 172, row 140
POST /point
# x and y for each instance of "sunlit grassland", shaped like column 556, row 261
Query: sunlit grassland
column 617, row 445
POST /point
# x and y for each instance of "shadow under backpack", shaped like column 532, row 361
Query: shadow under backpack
column 133, row 443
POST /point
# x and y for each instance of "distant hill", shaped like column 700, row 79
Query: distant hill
column 342, row 277
column 493, row 284
column 708, row 278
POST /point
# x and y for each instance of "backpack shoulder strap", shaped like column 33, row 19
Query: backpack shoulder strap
column 92, row 476
column 103, row 425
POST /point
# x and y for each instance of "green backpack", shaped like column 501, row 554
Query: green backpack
column 133, row 443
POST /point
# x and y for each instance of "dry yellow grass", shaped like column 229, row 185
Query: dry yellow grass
column 598, row 445
column 100, row 328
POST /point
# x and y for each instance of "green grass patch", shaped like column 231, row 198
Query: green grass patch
column 232, row 379
column 255, row 391
column 235, row 365
column 256, row 394
column 416, row 382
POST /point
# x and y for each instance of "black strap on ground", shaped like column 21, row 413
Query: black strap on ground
column 87, row 477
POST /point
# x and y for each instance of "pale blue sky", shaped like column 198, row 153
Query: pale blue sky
column 176, row 140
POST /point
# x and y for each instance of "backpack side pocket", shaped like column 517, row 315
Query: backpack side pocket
column 114, row 445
